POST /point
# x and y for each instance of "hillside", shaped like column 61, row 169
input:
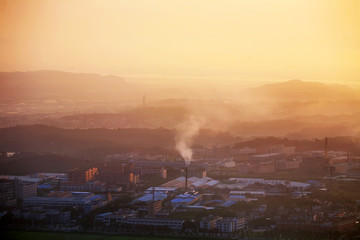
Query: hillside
column 55, row 85
column 91, row 142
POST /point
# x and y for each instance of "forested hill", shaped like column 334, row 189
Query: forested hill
column 92, row 142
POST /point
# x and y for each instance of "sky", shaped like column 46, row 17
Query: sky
column 175, row 40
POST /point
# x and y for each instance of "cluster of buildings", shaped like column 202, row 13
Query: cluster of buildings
column 51, row 197
column 222, row 224
column 85, row 201
column 321, row 217
column 14, row 191
column 128, row 219
column 107, row 178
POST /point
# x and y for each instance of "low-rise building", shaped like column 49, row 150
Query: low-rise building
column 171, row 223
column 262, row 167
column 209, row 222
column 243, row 151
column 91, row 186
column 227, row 225
column 282, row 149
column 129, row 217
column 286, row 165
column 196, row 172
column 85, row 201
column 146, row 172
column 184, row 200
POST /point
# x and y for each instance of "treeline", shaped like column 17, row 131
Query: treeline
column 100, row 142
column 350, row 144
column 30, row 162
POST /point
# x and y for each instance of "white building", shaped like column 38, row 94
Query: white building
column 25, row 190
column 171, row 223
column 282, row 149
column 230, row 224
column 229, row 164
column 128, row 217
column 209, row 222
column 86, row 201
column 243, row 151
column 285, row 165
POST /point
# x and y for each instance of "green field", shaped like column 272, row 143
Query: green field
column 28, row 235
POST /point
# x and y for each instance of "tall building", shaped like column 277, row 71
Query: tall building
column 7, row 193
column 79, row 175
column 196, row 172
column 154, row 207
column 121, row 174
column 25, row 190
column 150, row 172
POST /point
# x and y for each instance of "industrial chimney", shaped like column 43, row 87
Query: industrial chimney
column 186, row 178
column 326, row 147
column 144, row 101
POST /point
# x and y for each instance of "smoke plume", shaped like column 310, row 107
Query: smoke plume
column 185, row 134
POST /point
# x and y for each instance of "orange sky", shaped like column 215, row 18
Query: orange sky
column 233, row 40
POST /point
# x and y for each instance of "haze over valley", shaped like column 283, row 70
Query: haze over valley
column 293, row 109
column 159, row 119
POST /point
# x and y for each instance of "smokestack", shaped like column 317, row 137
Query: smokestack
column 326, row 147
column 186, row 178
column 144, row 101
column 153, row 194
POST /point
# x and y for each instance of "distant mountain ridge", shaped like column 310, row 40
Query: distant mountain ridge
column 298, row 90
column 48, row 84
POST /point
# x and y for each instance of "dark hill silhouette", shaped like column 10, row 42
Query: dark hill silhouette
column 90, row 142
column 41, row 138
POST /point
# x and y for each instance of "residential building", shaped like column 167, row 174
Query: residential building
column 209, row 222
column 196, row 172
column 150, row 172
column 25, row 190
column 7, row 193
column 171, row 223
column 282, row 149
column 119, row 174
column 79, row 175
column 154, row 207
column 285, row 165
column 243, row 151
column 230, row 224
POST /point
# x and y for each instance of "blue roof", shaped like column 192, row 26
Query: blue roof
column 97, row 197
column 149, row 197
column 312, row 181
column 44, row 186
column 238, row 196
column 104, row 214
column 228, row 203
column 178, row 200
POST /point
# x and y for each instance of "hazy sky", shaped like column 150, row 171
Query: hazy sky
column 209, row 39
